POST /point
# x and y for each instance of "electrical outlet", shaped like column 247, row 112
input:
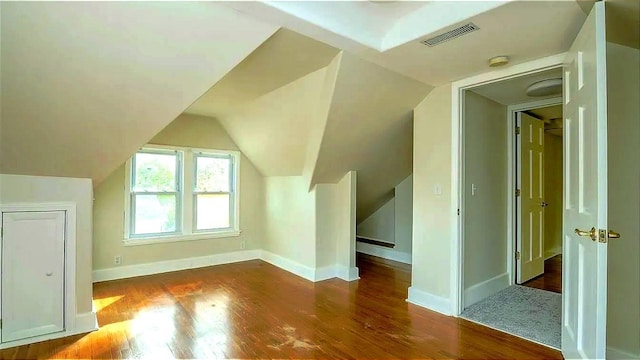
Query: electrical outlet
column 117, row 260
column 242, row 245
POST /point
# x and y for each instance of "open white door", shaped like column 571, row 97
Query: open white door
column 584, row 282
column 531, row 247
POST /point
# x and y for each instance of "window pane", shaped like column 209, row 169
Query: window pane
column 212, row 211
column 212, row 174
column 155, row 214
column 155, row 172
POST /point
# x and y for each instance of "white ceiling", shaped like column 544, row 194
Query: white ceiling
column 523, row 30
column 514, row 91
column 548, row 113
column 365, row 22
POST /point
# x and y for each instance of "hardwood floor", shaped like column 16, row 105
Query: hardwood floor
column 255, row 310
column 551, row 280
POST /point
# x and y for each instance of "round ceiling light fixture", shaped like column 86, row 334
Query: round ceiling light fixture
column 546, row 87
column 498, row 61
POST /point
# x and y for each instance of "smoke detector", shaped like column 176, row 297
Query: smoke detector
column 498, row 61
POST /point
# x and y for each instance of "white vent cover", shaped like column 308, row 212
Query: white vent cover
column 464, row 29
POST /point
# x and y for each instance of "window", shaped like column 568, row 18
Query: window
column 175, row 194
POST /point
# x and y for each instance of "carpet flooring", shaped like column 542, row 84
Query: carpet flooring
column 533, row 314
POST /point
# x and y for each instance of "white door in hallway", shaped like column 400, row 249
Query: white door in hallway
column 32, row 289
column 531, row 247
column 584, row 282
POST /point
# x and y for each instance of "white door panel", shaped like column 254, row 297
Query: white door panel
column 32, row 274
column 531, row 262
column 585, row 197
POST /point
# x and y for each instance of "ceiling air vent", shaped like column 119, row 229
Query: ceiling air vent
column 464, row 29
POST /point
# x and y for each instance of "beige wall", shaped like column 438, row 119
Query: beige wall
column 326, row 224
column 319, row 120
column 404, row 217
column 485, row 166
column 189, row 131
column 381, row 225
column 432, row 213
column 346, row 224
column 290, row 219
column 29, row 189
column 553, row 185
column 335, row 224
column 393, row 221
column 274, row 130
column 623, row 309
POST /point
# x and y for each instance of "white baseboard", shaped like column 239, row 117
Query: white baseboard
column 309, row 273
column 381, row 251
column 552, row 252
column 128, row 271
column 324, row 273
column 306, row 272
column 347, row 273
column 429, row 301
column 484, row 289
column 84, row 323
column 617, row 354
column 291, row 266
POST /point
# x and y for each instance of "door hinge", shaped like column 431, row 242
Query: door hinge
column 517, row 192
column 458, row 211
column 517, row 255
column 517, row 130
column 0, row 323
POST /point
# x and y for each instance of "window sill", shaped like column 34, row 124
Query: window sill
column 178, row 238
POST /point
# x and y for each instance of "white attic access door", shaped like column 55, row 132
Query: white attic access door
column 585, row 174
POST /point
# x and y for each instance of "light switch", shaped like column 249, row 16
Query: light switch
column 437, row 189
column 474, row 189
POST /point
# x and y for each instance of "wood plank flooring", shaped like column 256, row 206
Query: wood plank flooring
column 551, row 280
column 254, row 310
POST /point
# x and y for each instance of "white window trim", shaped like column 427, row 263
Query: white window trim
column 187, row 214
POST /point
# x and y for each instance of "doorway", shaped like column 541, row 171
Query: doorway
column 504, row 206
column 538, row 218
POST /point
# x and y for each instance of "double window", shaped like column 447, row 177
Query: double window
column 175, row 193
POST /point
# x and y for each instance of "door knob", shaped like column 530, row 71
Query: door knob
column 544, row 204
column 49, row 273
column 593, row 233
column 613, row 235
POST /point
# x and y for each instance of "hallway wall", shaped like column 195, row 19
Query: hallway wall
column 485, row 210
column 553, row 186
column 433, row 214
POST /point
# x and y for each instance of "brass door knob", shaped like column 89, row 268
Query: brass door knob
column 593, row 233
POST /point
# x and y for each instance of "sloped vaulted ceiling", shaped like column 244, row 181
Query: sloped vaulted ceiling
column 283, row 58
column 269, row 102
column 369, row 129
column 85, row 84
